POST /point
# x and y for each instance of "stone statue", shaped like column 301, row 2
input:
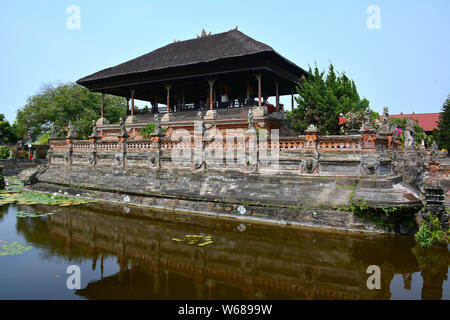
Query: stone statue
column 409, row 135
column 94, row 128
column 71, row 130
column 367, row 125
column 53, row 135
column 201, row 121
column 123, row 129
column 385, row 124
column 312, row 128
column 11, row 154
column 157, row 124
column 434, row 153
column 250, row 119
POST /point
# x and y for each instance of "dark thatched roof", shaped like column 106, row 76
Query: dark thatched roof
column 231, row 44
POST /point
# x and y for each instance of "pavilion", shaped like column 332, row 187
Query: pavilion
column 211, row 72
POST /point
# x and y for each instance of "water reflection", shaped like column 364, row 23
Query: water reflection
column 250, row 262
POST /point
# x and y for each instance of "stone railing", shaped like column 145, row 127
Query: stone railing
column 309, row 154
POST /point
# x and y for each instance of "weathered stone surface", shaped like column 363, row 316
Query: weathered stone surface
column 29, row 176
column 13, row 167
column 306, row 201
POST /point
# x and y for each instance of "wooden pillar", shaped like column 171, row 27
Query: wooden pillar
column 168, row 86
column 132, row 102
column 211, row 96
column 155, row 105
column 128, row 104
column 103, row 106
column 277, row 99
column 182, row 101
column 248, row 91
column 258, row 76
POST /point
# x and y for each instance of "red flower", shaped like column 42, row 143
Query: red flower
column 342, row 120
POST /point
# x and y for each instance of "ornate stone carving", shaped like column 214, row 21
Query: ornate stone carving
column 310, row 163
column 119, row 157
column 68, row 156
column 53, row 135
column 158, row 129
column 409, row 135
column 435, row 204
column 311, row 137
column 123, row 129
column 94, row 133
column 71, row 131
column 370, row 164
column 434, row 153
column 250, row 118
column 367, row 125
column 92, row 157
column 385, row 124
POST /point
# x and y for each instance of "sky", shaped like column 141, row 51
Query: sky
column 398, row 54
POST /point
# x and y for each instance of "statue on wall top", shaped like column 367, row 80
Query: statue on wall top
column 409, row 135
column 157, row 124
column 434, row 153
column 367, row 125
column 71, row 130
column 94, row 128
column 123, row 129
column 250, row 118
column 53, row 135
column 385, row 124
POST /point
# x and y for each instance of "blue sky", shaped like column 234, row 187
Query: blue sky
column 404, row 65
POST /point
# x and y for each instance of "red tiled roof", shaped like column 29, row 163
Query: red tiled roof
column 428, row 121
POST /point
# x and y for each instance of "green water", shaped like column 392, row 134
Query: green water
column 135, row 253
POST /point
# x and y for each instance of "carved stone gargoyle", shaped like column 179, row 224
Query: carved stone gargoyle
column 310, row 163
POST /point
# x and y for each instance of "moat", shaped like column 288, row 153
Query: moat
column 166, row 255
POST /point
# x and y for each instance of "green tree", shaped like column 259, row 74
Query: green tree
column 63, row 103
column 322, row 98
column 444, row 125
column 7, row 131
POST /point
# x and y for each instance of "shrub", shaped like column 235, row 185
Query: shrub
column 430, row 233
column 4, row 152
column 148, row 130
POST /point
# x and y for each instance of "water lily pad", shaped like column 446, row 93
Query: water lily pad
column 13, row 248
column 25, row 214
column 196, row 239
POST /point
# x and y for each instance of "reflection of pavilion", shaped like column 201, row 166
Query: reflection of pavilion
column 224, row 71
column 261, row 262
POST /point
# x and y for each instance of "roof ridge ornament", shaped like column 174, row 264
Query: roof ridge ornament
column 203, row 34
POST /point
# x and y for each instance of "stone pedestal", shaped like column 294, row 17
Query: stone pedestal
column 210, row 115
column 260, row 111
column 167, row 117
column 102, row 121
column 131, row 119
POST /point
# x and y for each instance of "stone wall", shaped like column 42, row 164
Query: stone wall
column 12, row 167
column 308, row 201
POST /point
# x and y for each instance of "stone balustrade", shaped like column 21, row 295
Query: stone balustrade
column 310, row 154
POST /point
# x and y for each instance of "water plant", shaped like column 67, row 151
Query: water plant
column 431, row 233
column 200, row 240
column 14, row 193
column 12, row 248
column 25, row 214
